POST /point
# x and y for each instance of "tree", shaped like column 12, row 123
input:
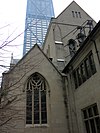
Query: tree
column 13, row 96
column 7, row 42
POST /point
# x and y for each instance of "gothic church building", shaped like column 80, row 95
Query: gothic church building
column 56, row 88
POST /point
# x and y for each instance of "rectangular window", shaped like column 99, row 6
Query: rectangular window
column 85, row 70
column 79, row 14
column 76, row 14
column 79, row 76
column 73, row 14
column 91, row 119
column 92, row 64
column 75, row 79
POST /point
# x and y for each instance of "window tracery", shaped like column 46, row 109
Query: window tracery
column 36, row 108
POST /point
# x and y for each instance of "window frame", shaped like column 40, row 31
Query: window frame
column 40, row 120
column 83, row 72
column 92, row 62
column 73, row 14
column 87, row 118
column 87, row 69
column 76, row 14
column 79, row 13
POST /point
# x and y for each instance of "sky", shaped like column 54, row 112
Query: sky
column 12, row 21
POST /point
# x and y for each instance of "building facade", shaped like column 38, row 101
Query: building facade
column 46, row 92
column 66, row 33
column 38, row 16
column 83, row 73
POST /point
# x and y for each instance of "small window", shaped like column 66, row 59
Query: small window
column 92, row 64
column 87, row 68
column 83, row 72
column 91, row 119
column 76, row 13
column 75, row 79
column 79, row 14
column 73, row 14
column 79, row 76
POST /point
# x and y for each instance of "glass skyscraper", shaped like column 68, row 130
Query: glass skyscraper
column 38, row 15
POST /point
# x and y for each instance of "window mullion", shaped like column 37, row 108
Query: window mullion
column 95, row 121
column 95, row 126
column 40, row 106
column 89, row 122
column 90, row 119
column 32, row 105
column 90, row 66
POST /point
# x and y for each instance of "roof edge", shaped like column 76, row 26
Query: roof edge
column 89, row 38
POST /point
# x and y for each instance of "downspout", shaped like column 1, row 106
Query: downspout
column 96, row 50
column 65, row 95
column 71, row 80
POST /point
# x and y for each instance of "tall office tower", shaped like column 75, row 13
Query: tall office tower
column 38, row 15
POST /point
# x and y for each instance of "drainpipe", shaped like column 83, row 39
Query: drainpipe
column 96, row 50
column 66, row 101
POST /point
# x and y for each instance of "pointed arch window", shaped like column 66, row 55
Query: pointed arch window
column 36, row 103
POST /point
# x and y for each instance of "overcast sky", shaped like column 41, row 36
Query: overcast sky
column 12, row 16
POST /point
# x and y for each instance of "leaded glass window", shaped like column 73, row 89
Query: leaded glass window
column 91, row 119
column 85, row 70
column 36, row 105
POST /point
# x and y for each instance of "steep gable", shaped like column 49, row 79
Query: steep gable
column 34, row 61
column 73, row 14
column 67, row 26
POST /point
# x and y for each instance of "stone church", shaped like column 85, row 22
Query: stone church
column 56, row 88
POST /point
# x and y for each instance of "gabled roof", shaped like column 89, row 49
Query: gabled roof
column 73, row 2
column 29, row 53
column 53, row 20
column 89, row 38
column 66, row 8
column 49, row 60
